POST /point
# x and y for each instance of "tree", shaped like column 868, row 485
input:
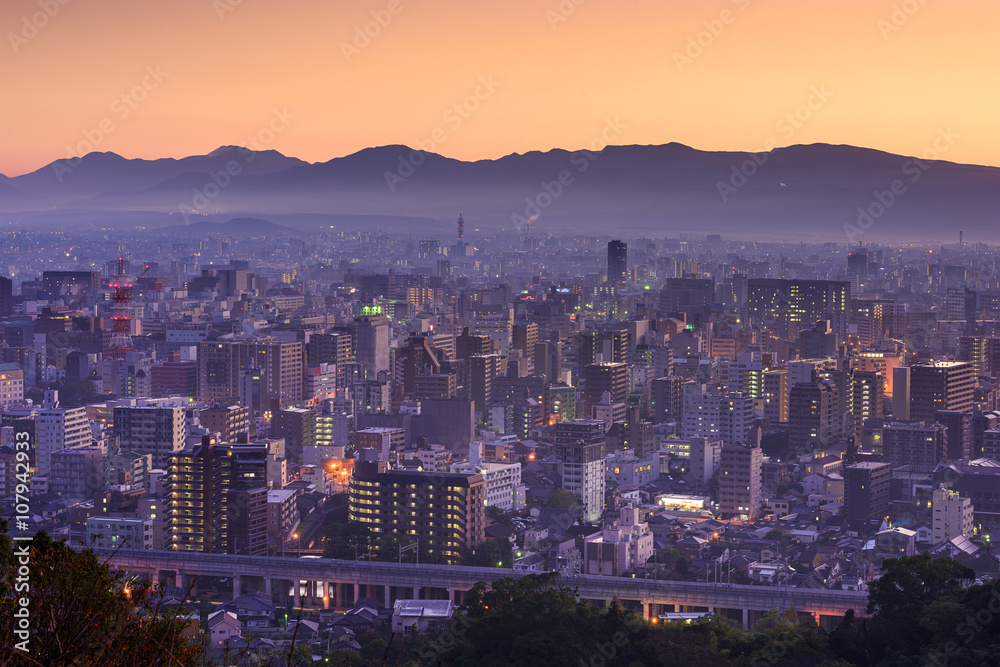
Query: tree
column 497, row 515
column 561, row 499
column 345, row 540
column 492, row 552
column 911, row 583
column 82, row 613
column 682, row 565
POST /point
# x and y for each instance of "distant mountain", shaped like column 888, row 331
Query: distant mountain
column 804, row 191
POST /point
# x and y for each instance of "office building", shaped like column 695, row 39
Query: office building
column 617, row 262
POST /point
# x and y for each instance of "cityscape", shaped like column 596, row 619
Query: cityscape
column 494, row 396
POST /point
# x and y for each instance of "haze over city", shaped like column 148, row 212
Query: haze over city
column 555, row 332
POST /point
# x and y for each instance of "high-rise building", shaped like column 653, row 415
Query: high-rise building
column 788, row 306
column 913, row 443
column 229, row 422
column 617, row 262
column 198, row 481
column 446, row 512
column 202, row 481
column 582, row 471
column 372, row 348
column 154, row 430
column 524, row 336
column 611, row 377
column 717, row 415
column 776, row 396
column 983, row 352
column 866, row 490
column 247, row 523
column 740, row 479
column 818, row 341
column 6, row 297
column 483, row 369
column 868, row 399
column 221, row 363
column 59, row 428
column 691, row 296
column 11, row 385
column 602, row 346
column 665, row 395
column 951, row 515
column 940, row 385
column 383, row 439
column 813, row 419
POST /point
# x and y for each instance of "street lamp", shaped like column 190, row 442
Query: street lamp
column 295, row 536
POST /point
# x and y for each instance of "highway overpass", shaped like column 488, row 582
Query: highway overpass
column 338, row 583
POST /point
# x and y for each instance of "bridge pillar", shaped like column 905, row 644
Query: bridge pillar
column 236, row 586
column 386, row 597
column 746, row 618
column 357, row 590
column 179, row 579
column 297, row 595
column 451, row 596
column 326, row 594
column 267, row 586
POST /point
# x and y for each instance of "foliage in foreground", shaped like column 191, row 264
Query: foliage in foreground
column 81, row 613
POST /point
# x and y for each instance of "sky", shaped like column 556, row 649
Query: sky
column 479, row 79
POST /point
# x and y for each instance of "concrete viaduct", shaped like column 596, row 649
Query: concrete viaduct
column 339, row 583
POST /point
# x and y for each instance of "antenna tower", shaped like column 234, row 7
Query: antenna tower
column 121, row 329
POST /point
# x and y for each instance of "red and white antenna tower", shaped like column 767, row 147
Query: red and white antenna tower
column 121, row 329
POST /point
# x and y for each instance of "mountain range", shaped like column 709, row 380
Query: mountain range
column 810, row 192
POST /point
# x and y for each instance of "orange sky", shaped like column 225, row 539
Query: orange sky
column 225, row 66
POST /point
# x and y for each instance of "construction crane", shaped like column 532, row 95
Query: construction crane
column 121, row 328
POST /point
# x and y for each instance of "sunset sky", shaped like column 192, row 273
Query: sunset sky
column 197, row 74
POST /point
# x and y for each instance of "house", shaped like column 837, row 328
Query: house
column 223, row 626
column 897, row 541
column 254, row 610
column 530, row 563
column 420, row 615
column 691, row 547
